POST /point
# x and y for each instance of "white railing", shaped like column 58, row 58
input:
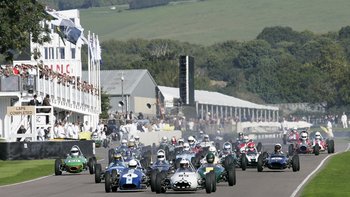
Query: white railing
column 68, row 96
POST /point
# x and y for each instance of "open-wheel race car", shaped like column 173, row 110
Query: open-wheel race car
column 114, row 168
column 186, row 178
column 220, row 173
column 75, row 162
column 131, row 178
column 278, row 161
column 321, row 145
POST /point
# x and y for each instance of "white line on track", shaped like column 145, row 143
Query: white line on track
column 37, row 179
column 313, row 172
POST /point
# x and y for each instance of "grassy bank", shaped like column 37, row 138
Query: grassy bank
column 211, row 21
column 23, row 170
column 333, row 180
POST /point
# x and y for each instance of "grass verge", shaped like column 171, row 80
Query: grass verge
column 23, row 170
column 333, row 180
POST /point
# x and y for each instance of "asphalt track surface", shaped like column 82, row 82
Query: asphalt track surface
column 249, row 182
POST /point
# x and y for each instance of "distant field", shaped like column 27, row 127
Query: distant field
column 210, row 21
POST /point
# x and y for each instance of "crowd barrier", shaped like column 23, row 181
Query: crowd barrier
column 43, row 149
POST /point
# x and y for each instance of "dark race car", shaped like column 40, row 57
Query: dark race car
column 278, row 161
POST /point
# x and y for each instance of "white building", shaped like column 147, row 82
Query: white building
column 57, row 73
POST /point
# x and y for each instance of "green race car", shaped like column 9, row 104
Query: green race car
column 75, row 162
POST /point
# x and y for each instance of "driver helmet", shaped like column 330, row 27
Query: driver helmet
column 117, row 157
column 295, row 129
column 190, row 140
column 240, row 135
column 227, row 148
column 181, row 141
column 251, row 146
column 303, row 136
column 186, row 146
column 184, row 163
column 124, row 142
column 74, row 152
column 245, row 139
column 206, row 138
column 200, row 132
column 131, row 143
column 173, row 140
column 132, row 163
column 317, row 135
column 137, row 139
column 212, row 149
column 210, row 157
column 160, row 156
column 278, row 148
column 165, row 139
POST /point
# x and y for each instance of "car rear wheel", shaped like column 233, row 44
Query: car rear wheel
column 317, row 149
column 244, row 162
column 107, row 182
column 259, row 147
column 158, row 186
column 208, row 183
column 295, row 163
column 260, row 163
column 330, row 146
column 213, row 178
column 290, row 150
column 91, row 165
column 58, row 163
column 98, row 170
column 110, row 155
column 153, row 179
column 231, row 177
column 228, row 162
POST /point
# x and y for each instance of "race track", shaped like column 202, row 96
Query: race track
column 249, row 182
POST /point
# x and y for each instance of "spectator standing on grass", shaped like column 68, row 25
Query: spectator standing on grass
column 344, row 120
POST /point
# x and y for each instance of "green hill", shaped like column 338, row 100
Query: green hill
column 211, row 21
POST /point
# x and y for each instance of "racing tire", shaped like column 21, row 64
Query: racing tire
column 58, row 163
column 153, row 179
column 110, row 155
column 213, row 178
column 98, row 170
column 244, row 161
column 259, row 147
column 330, row 146
column 194, row 161
column 114, row 188
column 208, row 183
column 295, row 163
column 290, row 150
column 217, row 146
column 228, row 161
column 108, row 182
column 317, row 149
column 231, row 177
column 158, row 185
column 260, row 163
column 91, row 165
column 177, row 163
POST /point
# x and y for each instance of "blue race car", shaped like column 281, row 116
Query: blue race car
column 113, row 169
column 278, row 161
column 129, row 179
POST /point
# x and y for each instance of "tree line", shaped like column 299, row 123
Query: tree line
column 279, row 66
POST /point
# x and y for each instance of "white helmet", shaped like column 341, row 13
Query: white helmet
column 161, row 156
column 74, row 152
column 304, row 136
column 190, row 140
column 137, row 138
column 317, row 135
column 132, row 163
column 165, row 139
column 186, row 146
column 227, row 147
column 124, row 142
column 206, row 138
column 180, row 141
column 245, row 139
column 184, row 163
column 212, row 149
